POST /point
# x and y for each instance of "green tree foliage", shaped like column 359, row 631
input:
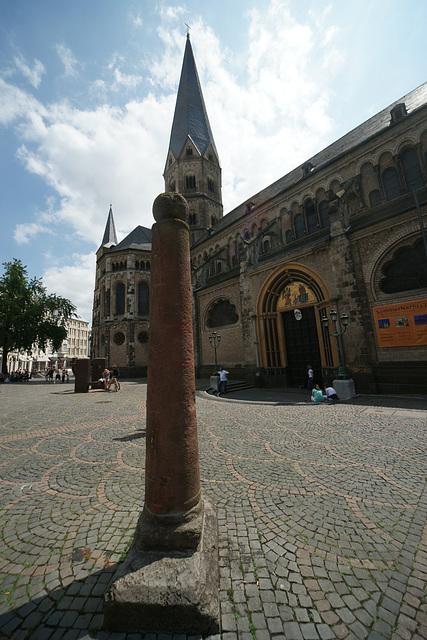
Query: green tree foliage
column 28, row 315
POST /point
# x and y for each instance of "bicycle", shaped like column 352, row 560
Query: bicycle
column 115, row 383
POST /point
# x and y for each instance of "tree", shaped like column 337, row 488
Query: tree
column 28, row 314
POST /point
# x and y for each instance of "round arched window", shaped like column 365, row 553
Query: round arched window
column 143, row 337
column 119, row 338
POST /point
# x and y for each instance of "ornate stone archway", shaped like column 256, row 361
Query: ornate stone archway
column 295, row 291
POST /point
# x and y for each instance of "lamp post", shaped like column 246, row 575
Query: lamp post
column 342, row 373
column 214, row 340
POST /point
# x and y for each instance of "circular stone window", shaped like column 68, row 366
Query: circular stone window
column 143, row 337
column 119, row 338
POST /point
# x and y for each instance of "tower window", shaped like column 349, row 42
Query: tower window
column 375, row 198
column 189, row 151
column 120, row 298
column 192, row 219
column 190, row 181
column 391, row 183
column 143, row 299
column 411, row 169
column 211, row 185
column 299, row 226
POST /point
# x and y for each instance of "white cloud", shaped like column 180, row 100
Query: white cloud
column 74, row 280
column 25, row 233
column 34, row 75
column 68, row 60
column 16, row 104
column 127, row 81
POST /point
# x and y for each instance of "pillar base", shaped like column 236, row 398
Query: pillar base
column 345, row 388
column 170, row 591
column 180, row 531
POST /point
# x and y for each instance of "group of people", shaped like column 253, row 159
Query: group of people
column 20, row 375
column 108, row 375
column 56, row 375
column 326, row 394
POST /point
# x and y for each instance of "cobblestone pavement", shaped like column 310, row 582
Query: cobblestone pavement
column 322, row 512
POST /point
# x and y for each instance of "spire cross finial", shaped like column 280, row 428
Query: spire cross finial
column 188, row 30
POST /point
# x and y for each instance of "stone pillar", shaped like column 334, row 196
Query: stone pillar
column 169, row 579
column 81, row 370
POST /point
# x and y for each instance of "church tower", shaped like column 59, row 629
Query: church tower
column 192, row 165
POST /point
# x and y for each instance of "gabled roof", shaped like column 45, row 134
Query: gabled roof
column 139, row 236
column 190, row 117
column 110, row 236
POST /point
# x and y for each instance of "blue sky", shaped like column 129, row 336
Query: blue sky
column 87, row 94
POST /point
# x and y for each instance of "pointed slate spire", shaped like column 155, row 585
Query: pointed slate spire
column 190, row 118
column 110, row 237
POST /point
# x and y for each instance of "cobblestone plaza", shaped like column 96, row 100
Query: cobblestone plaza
column 321, row 510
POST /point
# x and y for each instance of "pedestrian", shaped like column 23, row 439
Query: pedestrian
column 310, row 380
column 222, row 382
column 317, row 394
column 63, row 376
column 57, row 377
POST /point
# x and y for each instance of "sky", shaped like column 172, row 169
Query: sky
column 88, row 90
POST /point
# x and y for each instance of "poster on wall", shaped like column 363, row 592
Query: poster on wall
column 401, row 325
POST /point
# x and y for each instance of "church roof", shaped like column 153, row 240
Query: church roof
column 376, row 125
column 110, row 236
column 190, row 117
column 139, row 236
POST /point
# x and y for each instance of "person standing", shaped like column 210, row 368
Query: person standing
column 310, row 380
column 222, row 382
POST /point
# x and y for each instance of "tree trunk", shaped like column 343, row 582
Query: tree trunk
column 4, row 361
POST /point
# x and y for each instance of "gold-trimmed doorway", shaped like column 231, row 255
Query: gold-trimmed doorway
column 291, row 335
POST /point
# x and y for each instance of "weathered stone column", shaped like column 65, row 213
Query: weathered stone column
column 169, row 580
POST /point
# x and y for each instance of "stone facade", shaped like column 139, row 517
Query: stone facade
column 120, row 322
column 339, row 229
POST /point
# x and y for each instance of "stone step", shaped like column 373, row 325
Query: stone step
column 232, row 385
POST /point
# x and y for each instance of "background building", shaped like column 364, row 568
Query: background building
column 76, row 345
column 120, row 321
column 342, row 231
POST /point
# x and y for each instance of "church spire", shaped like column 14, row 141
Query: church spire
column 110, row 237
column 192, row 166
column 190, row 118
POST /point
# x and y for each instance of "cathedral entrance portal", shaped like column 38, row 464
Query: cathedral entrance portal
column 302, row 346
column 291, row 305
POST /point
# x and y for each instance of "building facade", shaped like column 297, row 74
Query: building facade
column 342, row 232
column 76, row 345
column 120, row 321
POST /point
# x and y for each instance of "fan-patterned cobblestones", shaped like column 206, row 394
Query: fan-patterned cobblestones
column 321, row 512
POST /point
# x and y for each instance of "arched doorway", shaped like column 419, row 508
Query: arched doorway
column 291, row 305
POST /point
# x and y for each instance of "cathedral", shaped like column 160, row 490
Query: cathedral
column 325, row 267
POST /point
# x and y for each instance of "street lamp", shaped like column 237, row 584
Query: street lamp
column 214, row 340
column 342, row 373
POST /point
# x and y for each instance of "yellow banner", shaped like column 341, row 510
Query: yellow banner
column 401, row 325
